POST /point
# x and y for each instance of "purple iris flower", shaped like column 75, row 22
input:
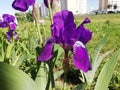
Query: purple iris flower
column 8, row 18
column 46, row 3
column 70, row 38
column 8, row 21
column 22, row 5
column 11, row 34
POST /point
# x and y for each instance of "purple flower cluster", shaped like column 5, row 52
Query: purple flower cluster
column 70, row 38
column 22, row 5
column 8, row 21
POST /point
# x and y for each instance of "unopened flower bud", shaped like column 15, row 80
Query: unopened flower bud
column 56, row 6
column 36, row 12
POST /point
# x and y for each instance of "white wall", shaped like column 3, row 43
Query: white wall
column 83, row 6
column 76, row 6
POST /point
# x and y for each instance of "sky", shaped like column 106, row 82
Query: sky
column 5, row 6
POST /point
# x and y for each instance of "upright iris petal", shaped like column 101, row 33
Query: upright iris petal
column 8, row 18
column 84, row 35
column 80, row 56
column 22, row 5
column 63, row 28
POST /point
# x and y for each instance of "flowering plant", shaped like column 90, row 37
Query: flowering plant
column 8, row 21
column 39, row 58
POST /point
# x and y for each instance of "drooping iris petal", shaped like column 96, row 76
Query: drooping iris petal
column 83, row 34
column 47, row 51
column 46, row 3
column 80, row 57
column 63, row 28
column 22, row 5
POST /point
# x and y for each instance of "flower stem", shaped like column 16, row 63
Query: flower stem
column 39, row 34
column 44, row 32
column 65, row 68
column 50, row 11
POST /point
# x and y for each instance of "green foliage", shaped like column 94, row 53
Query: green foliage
column 24, row 16
column 29, row 16
column 14, row 79
column 97, row 58
column 107, row 72
column 21, row 16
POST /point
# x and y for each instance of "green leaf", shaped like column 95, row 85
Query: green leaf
column 98, row 49
column 2, row 52
column 58, row 74
column 12, row 78
column 24, row 47
column 106, row 73
column 80, row 87
column 41, row 79
column 96, row 60
column 24, row 57
column 60, row 50
column 9, row 49
column 90, row 75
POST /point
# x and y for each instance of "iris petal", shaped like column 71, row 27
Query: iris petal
column 12, row 26
column 63, row 28
column 3, row 25
column 8, row 18
column 22, row 5
column 30, row 2
column 47, row 51
column 83, row 34
column 80, row 56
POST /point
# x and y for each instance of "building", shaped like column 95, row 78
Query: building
column 103, row 5
column 76, row 6
column 114, row 5
column 109, row 5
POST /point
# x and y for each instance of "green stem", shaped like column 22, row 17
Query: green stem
column 51, row 76
column 50, row 11
column 52, row 79
column 65, row 68
column 39, row 34
column 48, row 83
column 44, row 32
column 65, row 80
